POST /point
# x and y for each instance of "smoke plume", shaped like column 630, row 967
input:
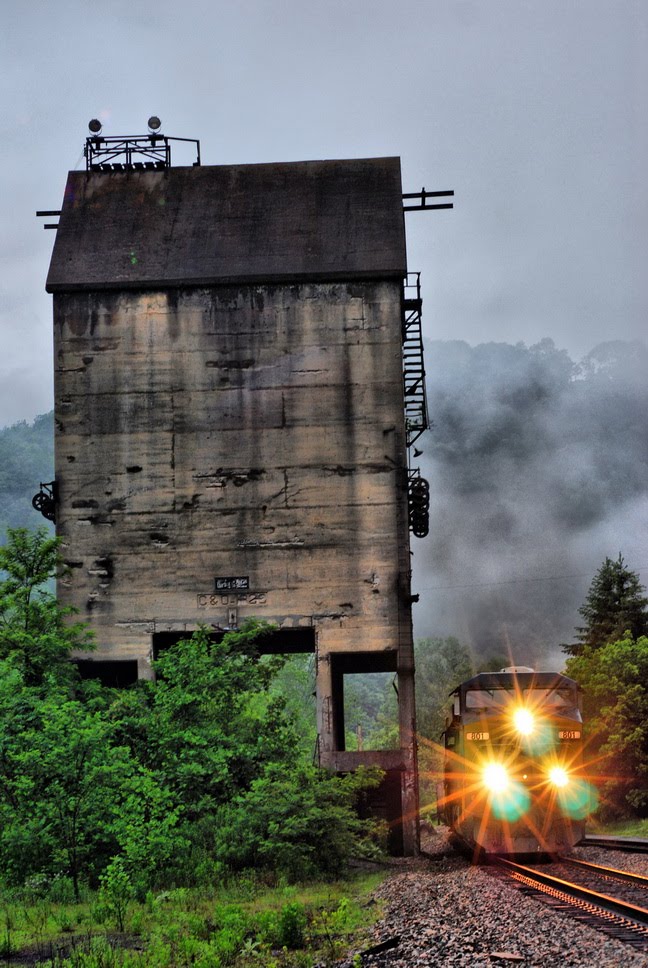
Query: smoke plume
column 538, row 469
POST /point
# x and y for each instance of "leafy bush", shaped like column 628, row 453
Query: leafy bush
column 116, row 890
column 182, row 780
column 283, row 929
column 292, row 925
column 298, row 823
column 614, row 680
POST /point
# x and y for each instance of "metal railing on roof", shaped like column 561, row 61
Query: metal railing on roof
column 151, row 152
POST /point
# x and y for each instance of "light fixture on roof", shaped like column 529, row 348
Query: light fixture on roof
column 146, row 152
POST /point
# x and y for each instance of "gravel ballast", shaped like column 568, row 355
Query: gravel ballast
column 445, row 912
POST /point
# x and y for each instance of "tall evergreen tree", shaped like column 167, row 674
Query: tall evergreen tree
column 615, row 604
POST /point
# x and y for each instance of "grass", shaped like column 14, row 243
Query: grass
column 243, row 923
column 622, row 828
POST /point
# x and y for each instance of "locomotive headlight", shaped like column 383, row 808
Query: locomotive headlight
column 524, row 721
column 559, row 776
column 495, row 777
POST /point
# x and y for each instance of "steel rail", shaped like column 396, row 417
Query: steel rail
column 613, row 872
column 582, row 893
column 626, row 922
column 634, row 844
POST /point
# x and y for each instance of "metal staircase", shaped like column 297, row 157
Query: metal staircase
column 416, row 417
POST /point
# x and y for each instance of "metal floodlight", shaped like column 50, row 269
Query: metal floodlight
column 147, row 152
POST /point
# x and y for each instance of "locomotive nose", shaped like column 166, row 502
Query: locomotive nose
column 495, row 777
column 559, row 776
column 524, row 721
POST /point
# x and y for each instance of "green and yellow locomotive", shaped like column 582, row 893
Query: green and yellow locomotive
column 513, row 771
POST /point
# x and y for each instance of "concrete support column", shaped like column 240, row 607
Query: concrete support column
column 409, row 782
column 144, row 668
column 324, row 691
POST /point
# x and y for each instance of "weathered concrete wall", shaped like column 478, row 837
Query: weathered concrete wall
column 233, row 431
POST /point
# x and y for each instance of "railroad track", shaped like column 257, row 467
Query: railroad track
column 612, row 873
column 634, row 844
column 613, row 901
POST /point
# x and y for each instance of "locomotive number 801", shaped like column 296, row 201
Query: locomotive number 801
column 513, row 778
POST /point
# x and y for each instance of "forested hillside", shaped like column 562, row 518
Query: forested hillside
column 26, row 459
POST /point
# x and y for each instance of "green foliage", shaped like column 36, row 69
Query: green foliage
column 207, row 729
column 494, row 663
column 298, row 822
column 614, row 678
column 147, row 826
column 441, row 664
column 287, row 927
column 295, row 682
column 213, row 723
column 371, row 711
column 182, row 779
column 53, row 750
column 8, row 932
column 635, row 827
column 26, row 459
column 333, row 924
column 116, row 890
column 64, row 785
column 615, row 604
column 36, row 636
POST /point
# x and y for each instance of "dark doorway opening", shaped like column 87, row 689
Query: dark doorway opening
column 276, row 642
column 386, row 804
column 115, row 673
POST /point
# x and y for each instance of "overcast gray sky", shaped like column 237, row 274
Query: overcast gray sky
column 533, row 111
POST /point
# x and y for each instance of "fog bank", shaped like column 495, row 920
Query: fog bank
column 538, row 467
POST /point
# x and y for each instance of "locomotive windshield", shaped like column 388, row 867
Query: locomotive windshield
column 551, row 698
column 487, row 699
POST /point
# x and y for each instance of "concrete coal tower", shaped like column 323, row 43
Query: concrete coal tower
column 231, row 421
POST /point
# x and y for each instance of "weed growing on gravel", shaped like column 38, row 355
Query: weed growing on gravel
column 244, row 924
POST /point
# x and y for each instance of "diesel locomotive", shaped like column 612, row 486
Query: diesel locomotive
column 513, row 780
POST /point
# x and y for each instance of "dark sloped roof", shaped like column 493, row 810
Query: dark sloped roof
column 197, row 226
column 524, row 680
